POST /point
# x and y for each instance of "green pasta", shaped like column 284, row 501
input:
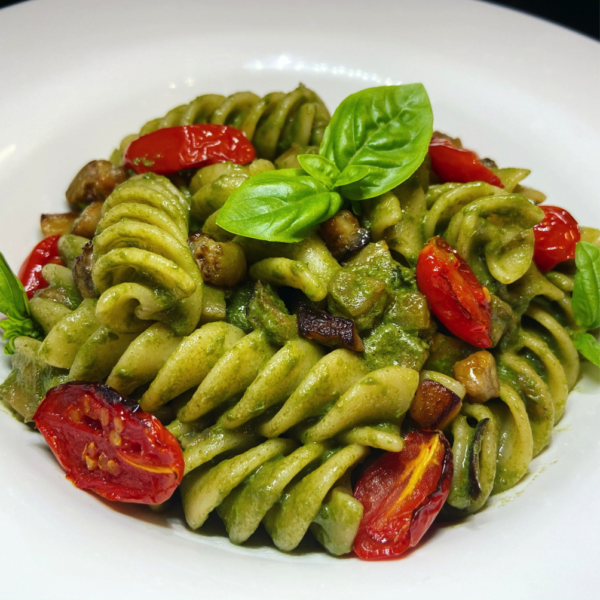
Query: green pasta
column 273, row 123
column 273, row 414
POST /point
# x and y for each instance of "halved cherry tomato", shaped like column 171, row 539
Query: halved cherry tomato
column 402, row 493
column 106, row 444
column 30, row 273
column 455, row 296
column 169, row 150
column 450, row 163
column 555, row 238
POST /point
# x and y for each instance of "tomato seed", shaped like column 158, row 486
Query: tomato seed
column 112, row 467
column 119, row 424
column 104, row 417
column 103, row 461
column 114, row 438
column 91, row 463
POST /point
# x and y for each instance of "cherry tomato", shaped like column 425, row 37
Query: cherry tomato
column 450, row 163
column 455, row 296
column 402, row 493
column 106, row 444
column 30, row 273
column 169, row 150
column 555, row 238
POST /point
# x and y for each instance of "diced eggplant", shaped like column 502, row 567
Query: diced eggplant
column 479, row 375
column 86, row 224
column 343, row 234
column 388, row 344
column 323, row 328
column 82, row 272
column 375, row 260
column 94, row 183
column 434, row 405
column 356, row 297
column 445, row 351
column 267, row 311
column 410, row 311
column 57, row 223
column 220, row 263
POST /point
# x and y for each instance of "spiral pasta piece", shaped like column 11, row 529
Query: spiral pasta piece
column 273, row 123
column 538, row 366
column 241, row 394
column 144, row 269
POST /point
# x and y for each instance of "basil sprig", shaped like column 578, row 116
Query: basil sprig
column 278, row 206
column 376, row 139
column 586, row 299
column 15, row 305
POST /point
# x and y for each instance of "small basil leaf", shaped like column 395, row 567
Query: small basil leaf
column 278, row 206
column 352, row 174
column 586, row 289
column 320, row 168
column 589, row 347
column 387, row 129
column 13, row 299
column 15, row 305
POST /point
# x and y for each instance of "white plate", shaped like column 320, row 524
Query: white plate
column 75, row 76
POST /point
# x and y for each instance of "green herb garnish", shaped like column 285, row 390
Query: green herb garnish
column 586, row 299
column 15, row 305
column 377, row 138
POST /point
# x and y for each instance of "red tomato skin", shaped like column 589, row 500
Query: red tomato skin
column 106, row 444
column 392, row 523
column 455, row 296
column 555, row 238
column 30, row 273
column 171, row 149
column 450, row 163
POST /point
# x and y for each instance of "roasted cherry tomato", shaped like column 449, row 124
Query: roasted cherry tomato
column 106, row 444
column 30, row 273
column 450, row 163
column 555, row 238
column 455, row 296
column 168, row 150
column 402, row 493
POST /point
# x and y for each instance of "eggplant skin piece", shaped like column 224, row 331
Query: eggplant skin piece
column 343, row 235
column 94, row 183
column 434, row 405
column 82, row 272
column 323, row 328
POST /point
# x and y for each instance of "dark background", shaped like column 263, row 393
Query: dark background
column 580, row 15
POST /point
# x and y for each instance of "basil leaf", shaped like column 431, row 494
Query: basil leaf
column 278, row 206
column 352, row 174
column 387, row 129
column 589, row 347
column 15, row 305
column 586, row 289
column 320, row 168
column 13, row 299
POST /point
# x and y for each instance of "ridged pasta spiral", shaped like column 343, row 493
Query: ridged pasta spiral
column 538, row 366
column 273, row 123
column 241, row 395
column 144, row 270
